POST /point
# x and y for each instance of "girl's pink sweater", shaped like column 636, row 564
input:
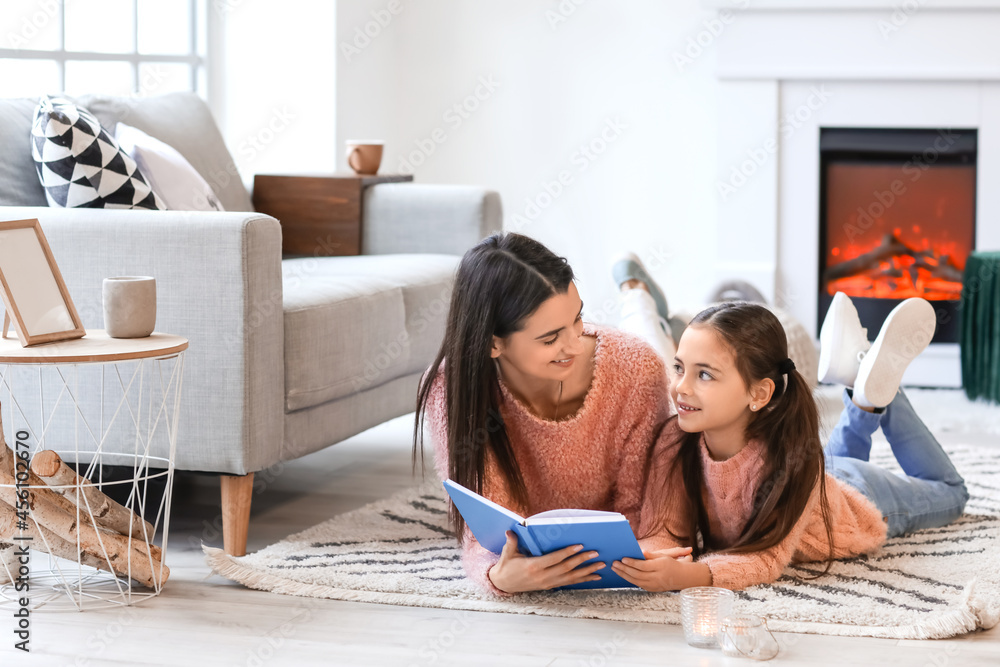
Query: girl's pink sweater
column 728, row 489
column 595, row 459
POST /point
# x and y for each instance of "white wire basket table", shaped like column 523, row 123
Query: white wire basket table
column 93, row 521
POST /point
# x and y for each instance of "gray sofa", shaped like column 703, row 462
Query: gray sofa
column 286, row 356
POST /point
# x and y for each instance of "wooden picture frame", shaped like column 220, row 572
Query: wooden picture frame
column 34, row 294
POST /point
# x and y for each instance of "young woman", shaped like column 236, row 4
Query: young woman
column 536, row 410
column 740, row 474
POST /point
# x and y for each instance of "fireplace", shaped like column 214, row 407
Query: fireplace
column 897, row 220
column 831, row 64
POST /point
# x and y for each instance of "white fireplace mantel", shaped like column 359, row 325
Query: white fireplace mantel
column 786, row 68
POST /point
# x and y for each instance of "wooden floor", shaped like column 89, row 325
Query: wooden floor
column 201, row 619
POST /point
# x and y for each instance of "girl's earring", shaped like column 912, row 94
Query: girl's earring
column 753, row 407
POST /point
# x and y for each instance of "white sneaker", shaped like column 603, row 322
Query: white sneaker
column 843, row 342
column 907, row 331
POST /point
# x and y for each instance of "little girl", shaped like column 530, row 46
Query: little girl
column 740, row 476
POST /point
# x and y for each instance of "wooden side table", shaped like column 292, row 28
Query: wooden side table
column 320, row 215
column 97, row 402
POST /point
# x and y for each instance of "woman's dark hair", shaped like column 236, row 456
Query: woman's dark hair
column 500, row 282
column 788, row 426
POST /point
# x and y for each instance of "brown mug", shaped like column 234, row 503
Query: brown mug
column 364, row 157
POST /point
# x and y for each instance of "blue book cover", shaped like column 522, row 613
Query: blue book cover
column 607, row 533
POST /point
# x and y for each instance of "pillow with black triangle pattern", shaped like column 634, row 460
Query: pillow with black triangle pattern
column 80, row 164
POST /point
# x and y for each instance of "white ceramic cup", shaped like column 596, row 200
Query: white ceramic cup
column 129, row 306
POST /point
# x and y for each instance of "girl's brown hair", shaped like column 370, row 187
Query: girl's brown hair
column 788, row 426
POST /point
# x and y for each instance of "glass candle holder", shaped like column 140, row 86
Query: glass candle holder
column 747, row 637
column 702, row 611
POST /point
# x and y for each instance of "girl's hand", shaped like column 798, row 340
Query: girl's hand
column 517, row 573
column 678, row 553
column 663, row 570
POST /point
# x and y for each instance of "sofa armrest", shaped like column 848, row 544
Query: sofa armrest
column 416, row 218
column 218, row 283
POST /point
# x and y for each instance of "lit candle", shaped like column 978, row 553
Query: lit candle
column 702, row 610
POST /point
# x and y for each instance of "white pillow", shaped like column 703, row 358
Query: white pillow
column 172, row 177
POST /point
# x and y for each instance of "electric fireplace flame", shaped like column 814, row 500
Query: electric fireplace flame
column 891, row 234
column 894, row 269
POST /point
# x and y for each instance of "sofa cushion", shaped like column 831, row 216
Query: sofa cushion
column 178, row 184
column 353, row 323
column 183, row 121
column 80, row 165
column 19, row 184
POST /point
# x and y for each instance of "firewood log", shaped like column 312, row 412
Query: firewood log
column 42, row 539
column 118, row 549
column 83, row 494
column 40, row 492
column 7, row 466
column 8, row 562
column 125, row 555
column 868, row 261
column 8, row 559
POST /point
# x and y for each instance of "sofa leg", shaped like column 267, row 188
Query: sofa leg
column 236, row 495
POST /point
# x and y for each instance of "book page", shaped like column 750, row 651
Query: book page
column 572, row 515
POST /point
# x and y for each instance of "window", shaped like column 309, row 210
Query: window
column 117, row 47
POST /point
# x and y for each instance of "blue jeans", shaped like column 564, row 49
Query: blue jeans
column 930, row 494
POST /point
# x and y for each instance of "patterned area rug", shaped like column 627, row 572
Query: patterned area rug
column 933, row 584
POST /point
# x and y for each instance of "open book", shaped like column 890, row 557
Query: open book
column 607, row 533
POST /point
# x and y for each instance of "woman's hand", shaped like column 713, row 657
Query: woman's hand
column 663, row 570
column 517, row 573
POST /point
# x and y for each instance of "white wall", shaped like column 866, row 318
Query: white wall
column 274, row 92
column 609, row 67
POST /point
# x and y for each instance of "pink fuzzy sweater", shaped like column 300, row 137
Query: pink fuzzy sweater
column 728, row 489
column 593, row 460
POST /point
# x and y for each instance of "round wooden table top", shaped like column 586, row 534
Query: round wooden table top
column 95, row 347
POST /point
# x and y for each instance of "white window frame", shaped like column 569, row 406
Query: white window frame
column 194, row 58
